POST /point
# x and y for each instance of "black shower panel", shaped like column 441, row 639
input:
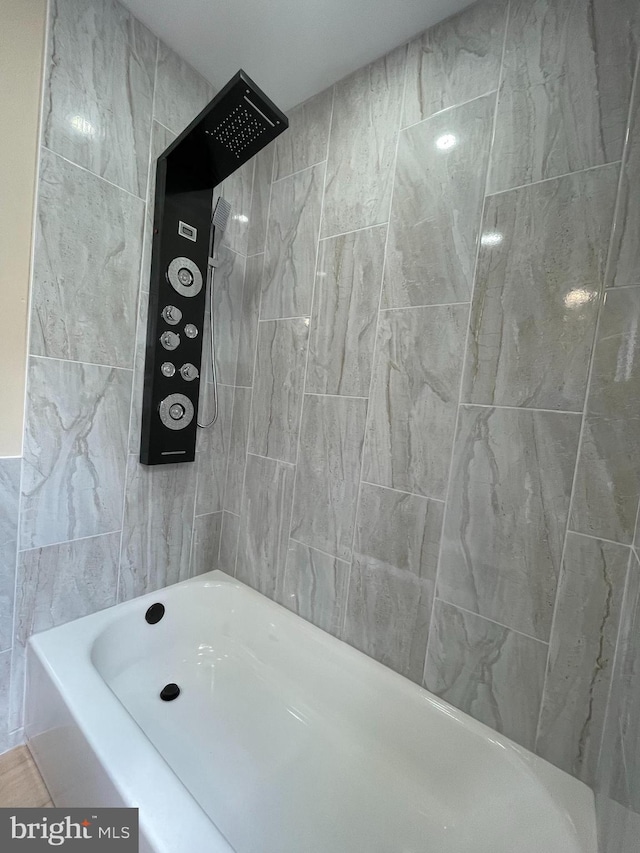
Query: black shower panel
column 237, row 124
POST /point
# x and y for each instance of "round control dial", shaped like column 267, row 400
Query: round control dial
column 176, row 411
column 169, row 340
column 171, row 315
column 189, row 372
column 191, row 331
column 184, row 277
column 168, row 369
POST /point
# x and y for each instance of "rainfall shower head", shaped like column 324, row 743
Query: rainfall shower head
column 238, row 123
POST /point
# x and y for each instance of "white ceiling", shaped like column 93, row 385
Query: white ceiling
column 291, row 48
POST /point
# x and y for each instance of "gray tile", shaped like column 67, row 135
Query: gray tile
column 535, row 304
column 5, row 682
column 315, row 587
column 249, row 320
column 292, row 239
column 455, row 61
column 620, row 759
column 74, row 452
column 328, row 472
column 491, row 673
column 388, row 613
column 264, row 524
column 86, row 267
column 237, row 190
column 305, row 142
column 227, row 311
column 437, row 203
column 618, row 827
column 56, row 585
column 507, row 513
column 161, row 138
column 583, row 643
column 366, row 116
column 399, row 531
column 615, row 380
column 237, row 449
column 607, row 489
column 278, row 387
column 345, row 309
column 181, row 93
column 135, row 421
column 608, row 478
column 260, row 200
column 9, row 498
column 99, row 90
column 625, row 249
column 567, row 80
column 228, row 543
column 205, row 544
column 158, row 521
column 212, row 450
column 415, row 398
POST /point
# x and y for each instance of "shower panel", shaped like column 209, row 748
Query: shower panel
column 235, row 126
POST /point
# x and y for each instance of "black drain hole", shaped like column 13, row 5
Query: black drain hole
column 169, row 692
column 154, row 613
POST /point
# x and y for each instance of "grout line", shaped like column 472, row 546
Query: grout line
column 369, row 412
column 276, row 319
column 432, row 305
column 337, row 396
column 95, row 175
column 354, row 231
column 153, row 114
column 599, row 538
column 297, row 172
column 84, row 363
column 447, row 109
column 319, row 550
column 402, row 491
column 585, row 408
column 554, row 178
column 67, row 541
column 306, row 362
column 519, row 409
column 493, row 621
column 467, row 335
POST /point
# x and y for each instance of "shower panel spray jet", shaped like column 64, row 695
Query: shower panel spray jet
column 234, row 127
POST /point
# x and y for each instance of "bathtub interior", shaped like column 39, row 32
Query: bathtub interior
column 290, row 740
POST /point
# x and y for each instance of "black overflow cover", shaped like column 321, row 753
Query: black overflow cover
column 169, row 692
column 154, row 613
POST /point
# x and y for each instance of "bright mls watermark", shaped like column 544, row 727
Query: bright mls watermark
column 26, row 830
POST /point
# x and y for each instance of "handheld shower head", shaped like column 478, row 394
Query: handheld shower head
column 221, row 214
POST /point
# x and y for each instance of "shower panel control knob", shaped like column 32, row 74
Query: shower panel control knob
column 171, row 315
column 168, row 369
column 176, row 411
column 169, row 340
column 191, row 331
column 189, row 372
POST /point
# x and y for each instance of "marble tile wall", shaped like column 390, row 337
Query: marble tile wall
column 435, row 440
column 82, row 523
column 428, row 439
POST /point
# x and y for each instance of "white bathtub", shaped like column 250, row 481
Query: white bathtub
column 283, row 739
